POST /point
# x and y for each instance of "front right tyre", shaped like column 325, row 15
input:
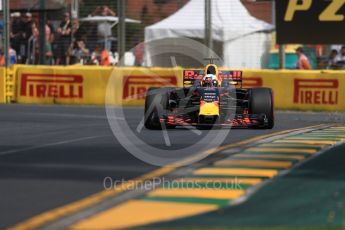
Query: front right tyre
column 261, row 103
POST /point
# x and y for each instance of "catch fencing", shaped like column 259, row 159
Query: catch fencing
column 66, row 32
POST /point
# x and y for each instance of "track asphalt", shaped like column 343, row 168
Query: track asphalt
column 54, row 155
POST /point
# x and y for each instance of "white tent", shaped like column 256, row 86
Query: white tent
column 245, row 40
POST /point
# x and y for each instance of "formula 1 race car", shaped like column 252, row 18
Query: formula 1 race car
column 208, row 98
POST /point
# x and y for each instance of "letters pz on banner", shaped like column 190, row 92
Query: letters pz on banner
column 310, row 21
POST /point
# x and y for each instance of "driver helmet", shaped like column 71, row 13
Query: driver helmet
column 210, row 80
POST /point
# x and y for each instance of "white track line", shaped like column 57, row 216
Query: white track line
column 47, row 145
column 73, row 115
column 63, row 166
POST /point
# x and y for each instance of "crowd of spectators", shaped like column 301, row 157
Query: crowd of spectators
column 66, row 42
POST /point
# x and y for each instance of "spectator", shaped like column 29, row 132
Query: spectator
column 340, row 59
column 100, row 56
column 79, row 31
column 96, row 55
column 16, row 31
column 336, row 47
column 49, row 38
column 64, row 40
column 303, row 62
column 104, row 32
column 80, row 52
column 75, row 26
column 51, row 29
column 139, row 54
column 105, row 57
column 48, row 33
column 103, row 11
column 2, row 58
column 49, row 54
column 331, row 64
column 33, row 46
column 51, row 46
column 13, row 57
column 27, row 24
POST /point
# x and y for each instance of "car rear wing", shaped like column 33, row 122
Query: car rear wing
column 228, row 77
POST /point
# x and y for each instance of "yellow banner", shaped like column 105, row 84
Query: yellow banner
column 87, row 85
column 62, row 85
column 301, row 90
column 2, row 85
column 131, row 84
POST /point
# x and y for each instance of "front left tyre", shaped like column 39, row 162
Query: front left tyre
column 156, row 103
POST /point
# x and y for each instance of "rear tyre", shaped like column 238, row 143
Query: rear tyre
column 156, row 99
column 261, row 103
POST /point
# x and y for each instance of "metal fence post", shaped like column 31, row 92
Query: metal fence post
column 208, row 24
column 281, row 56
column 281, row 46
column 42, row 38
column 121, row 32
column 6, row 15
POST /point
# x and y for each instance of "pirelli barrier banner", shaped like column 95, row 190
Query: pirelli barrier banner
column 135, row 82
column 88, row 85
column 295, row 90
column 61, row 85
column 302, row 90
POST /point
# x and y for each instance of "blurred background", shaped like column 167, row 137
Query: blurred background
column 87, row 32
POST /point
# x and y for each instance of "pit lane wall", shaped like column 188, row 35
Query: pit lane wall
column 88, row 85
